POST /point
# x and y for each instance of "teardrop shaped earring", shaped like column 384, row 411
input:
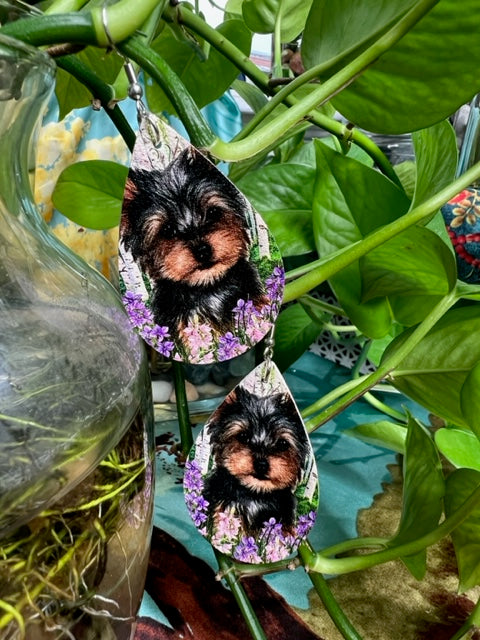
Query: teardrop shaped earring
column 201, row 276
column 251, row 482
column 202, row 281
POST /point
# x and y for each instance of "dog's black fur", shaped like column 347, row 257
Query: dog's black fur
column 186, row 228
column 259, row 448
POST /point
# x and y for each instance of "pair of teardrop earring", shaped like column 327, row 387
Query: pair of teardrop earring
column 202, row 281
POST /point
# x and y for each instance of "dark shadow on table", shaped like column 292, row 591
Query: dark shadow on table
column 199, row 607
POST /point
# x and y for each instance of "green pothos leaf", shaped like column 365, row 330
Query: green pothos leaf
column 424, row 78
column 423, row 492
column 383, row 433
column 436, row 160
column 294, row 333
column 436, row 369
column 465, row 537
column 350, row 201
column 261, row 16
column 470, row 399
column 72, row 94
column 459, row 446
column 414, row 270
column 273, row 191
column 90, row 193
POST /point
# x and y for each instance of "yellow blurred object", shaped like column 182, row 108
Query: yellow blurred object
column 61, row 144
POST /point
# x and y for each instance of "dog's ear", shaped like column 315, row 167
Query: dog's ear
column 131, row 189
column 284, row 402
column 129, row 196
column 232, row 397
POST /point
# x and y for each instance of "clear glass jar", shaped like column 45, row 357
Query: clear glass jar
column 76, row 419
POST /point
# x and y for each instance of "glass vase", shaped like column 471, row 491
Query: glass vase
column 76, row 419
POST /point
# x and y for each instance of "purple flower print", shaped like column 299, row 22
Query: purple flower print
column 305, row 523
column 229, row 346
column 196, row 504
column 272, row 528
column 247, row 551
column 276, row 283
column 137, row 311
column 198, row 514
column 243, row 312
column 157, row 336
column 165, row 348
column 192, row 480
column 142, row 318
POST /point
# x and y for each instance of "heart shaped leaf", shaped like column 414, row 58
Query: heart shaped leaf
column 434, row 372
column 340, row 29
column 261, row 16
column 90, row 193
column 424, row 78
column 295, row 331
column 351, row 200
column 205, row 72
column 273, row 191
column 414, row 270
column 423, row 492
column 465, row 537
column 460, row 447
column 389, row 435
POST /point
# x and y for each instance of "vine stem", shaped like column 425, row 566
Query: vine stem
column 78, row 28
column 316, row 561
column 186, row 437
column 88, row 28
column 240, row 596
column 65, row 6
column 103, row 92
column 334, row 610
column 323, row 269
column 121, row 20
column 242, row 149
column 199, row 131
column 354, row 391
column 369, row 397
column 184, row 16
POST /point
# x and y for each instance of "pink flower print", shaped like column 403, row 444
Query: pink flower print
column 198, row 339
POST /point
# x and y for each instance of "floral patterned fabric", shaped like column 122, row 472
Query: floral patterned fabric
column 462, row 217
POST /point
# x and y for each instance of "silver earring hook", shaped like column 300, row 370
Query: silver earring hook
column 269, row 343
column 135, row 90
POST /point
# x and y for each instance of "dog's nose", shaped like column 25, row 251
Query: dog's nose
column 202, row 252
column 261, row 467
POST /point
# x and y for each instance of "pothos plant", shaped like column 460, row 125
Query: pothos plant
column 339, row 210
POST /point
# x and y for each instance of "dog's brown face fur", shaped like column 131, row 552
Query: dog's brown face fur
column 201, row 248
column 186, row 224
column 258, row 440
column 276, row 469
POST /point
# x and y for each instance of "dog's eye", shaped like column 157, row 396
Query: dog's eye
column 281, row 445
column 243, row 437
column 169, row 230
column 214, row 213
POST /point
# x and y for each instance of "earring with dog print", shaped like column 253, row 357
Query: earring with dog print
column 200, row 274
column 251, row 482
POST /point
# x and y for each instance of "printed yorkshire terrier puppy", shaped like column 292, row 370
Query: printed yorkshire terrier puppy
column 186, row 228
column 259, row 448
